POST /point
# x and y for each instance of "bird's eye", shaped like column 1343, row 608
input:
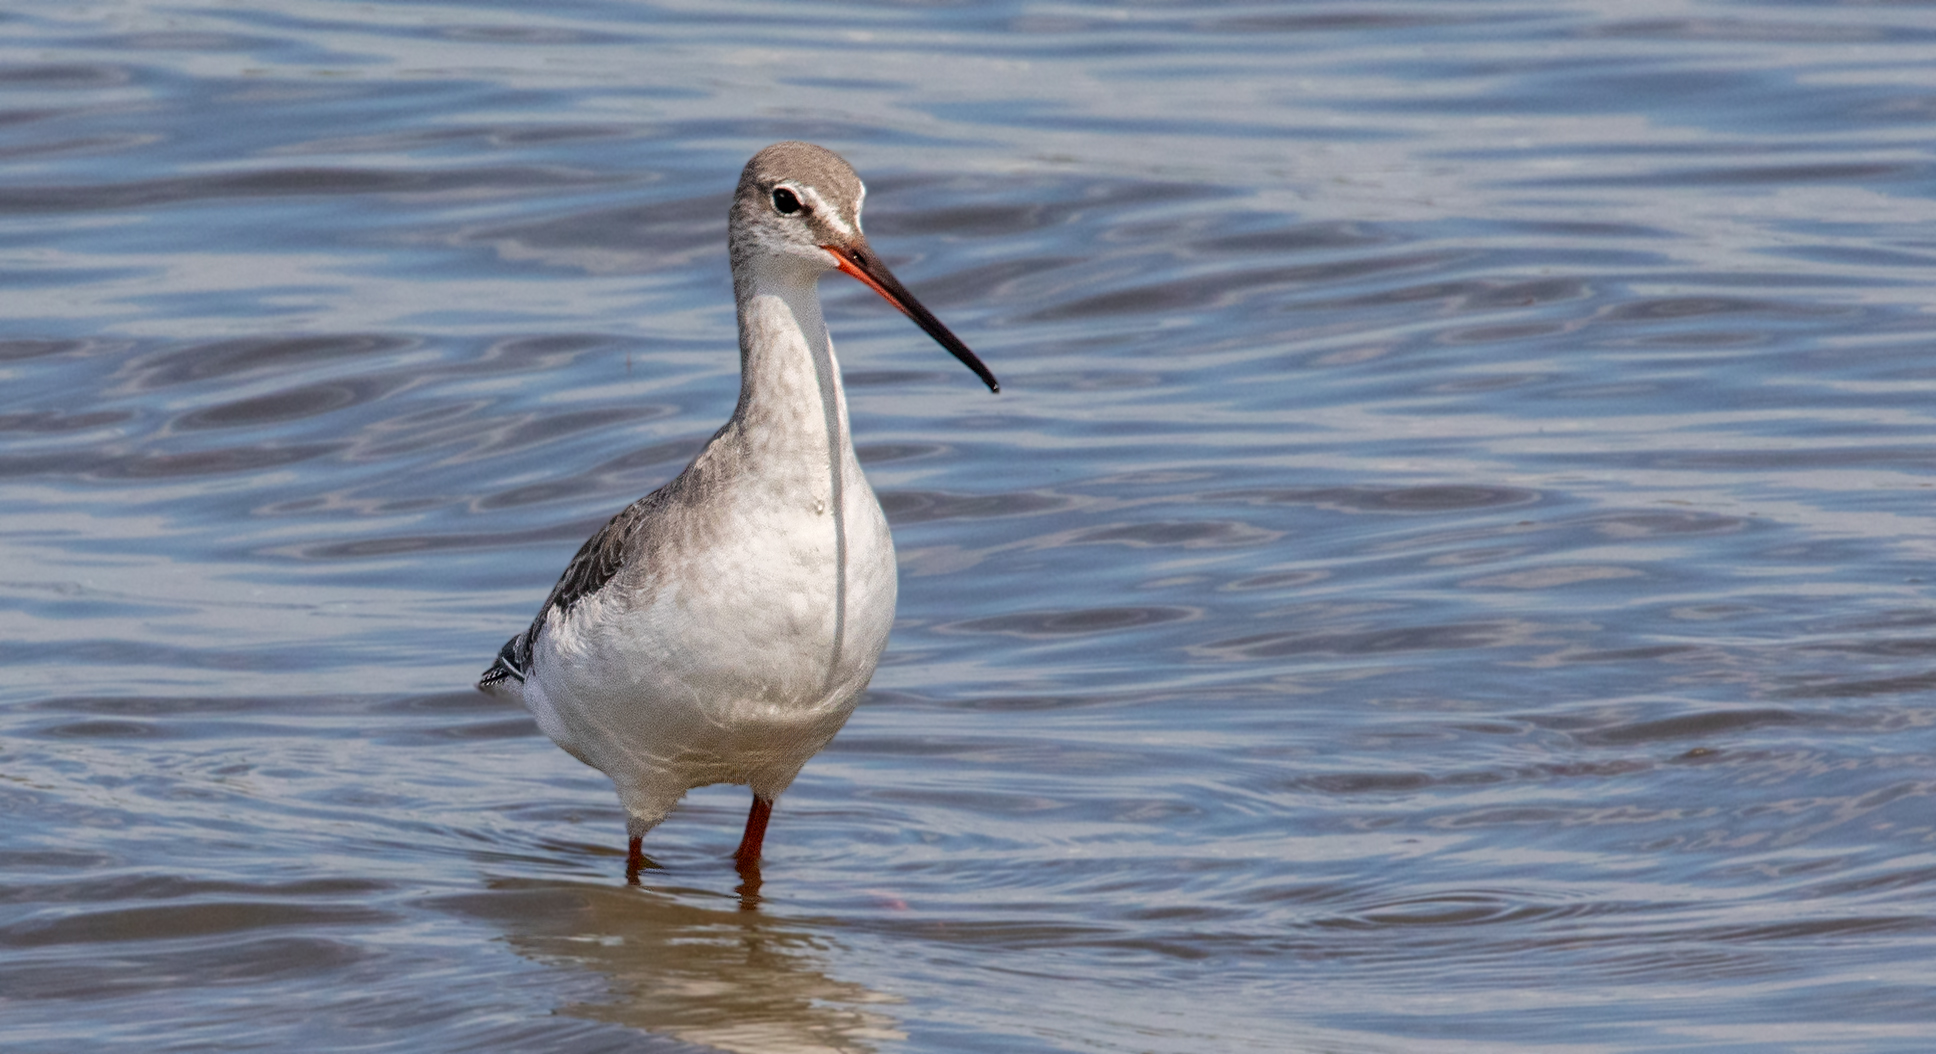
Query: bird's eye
column 785, row 202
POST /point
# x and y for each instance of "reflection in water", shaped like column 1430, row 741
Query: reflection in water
column 1453, row 572
column 732, row 979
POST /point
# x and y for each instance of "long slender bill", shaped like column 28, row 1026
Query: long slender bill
column 861, row 262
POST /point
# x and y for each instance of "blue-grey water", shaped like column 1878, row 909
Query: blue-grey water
column 1449, row 571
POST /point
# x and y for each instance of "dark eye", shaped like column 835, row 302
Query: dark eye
column 785, row 202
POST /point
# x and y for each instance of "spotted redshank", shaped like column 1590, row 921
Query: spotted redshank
column 720, row 629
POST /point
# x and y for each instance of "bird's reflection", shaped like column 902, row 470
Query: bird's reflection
column 638, row 865
column 732, row 978
column 749, row 885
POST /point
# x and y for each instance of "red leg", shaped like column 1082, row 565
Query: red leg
column 635, row 857
column 749, row 845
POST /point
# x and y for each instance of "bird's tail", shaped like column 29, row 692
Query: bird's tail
column 506, row 675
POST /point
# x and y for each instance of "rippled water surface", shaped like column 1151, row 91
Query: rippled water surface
column 1448, row 571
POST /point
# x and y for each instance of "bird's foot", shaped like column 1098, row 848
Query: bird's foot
column 749, row 885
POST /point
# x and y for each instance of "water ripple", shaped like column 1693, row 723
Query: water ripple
column 1450, row 558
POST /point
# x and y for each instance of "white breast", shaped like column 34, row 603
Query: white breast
column 732, row 660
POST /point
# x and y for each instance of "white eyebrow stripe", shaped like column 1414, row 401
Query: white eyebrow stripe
column 831, row 217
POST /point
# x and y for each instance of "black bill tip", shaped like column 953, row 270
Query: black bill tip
column 862, row 264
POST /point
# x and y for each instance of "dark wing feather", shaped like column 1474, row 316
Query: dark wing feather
column 507, row 666
column 597, row 561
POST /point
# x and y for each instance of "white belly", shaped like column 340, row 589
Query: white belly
column 732, row 659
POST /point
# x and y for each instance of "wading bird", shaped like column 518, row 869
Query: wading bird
column 720, row 629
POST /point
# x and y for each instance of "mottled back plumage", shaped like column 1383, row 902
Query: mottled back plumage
column 595, row 564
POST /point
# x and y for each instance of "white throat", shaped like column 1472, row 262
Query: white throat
column 789, row 377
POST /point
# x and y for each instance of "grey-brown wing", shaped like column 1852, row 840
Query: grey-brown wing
column 596, row 563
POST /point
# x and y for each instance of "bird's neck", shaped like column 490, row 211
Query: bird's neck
column 789, row 387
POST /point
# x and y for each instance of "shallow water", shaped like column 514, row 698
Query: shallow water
column 1448, row 570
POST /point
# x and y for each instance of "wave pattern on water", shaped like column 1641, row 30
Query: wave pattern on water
column 1448, row 570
